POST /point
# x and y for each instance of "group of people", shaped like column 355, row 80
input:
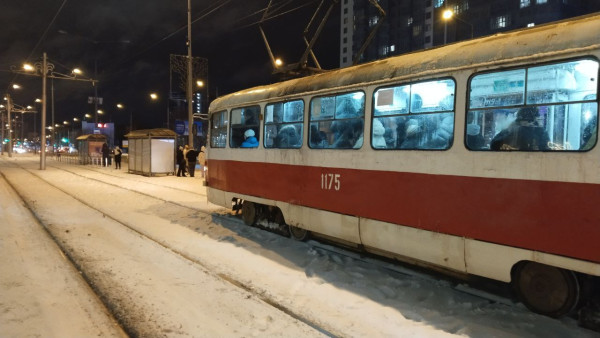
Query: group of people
column 187, row 158
column 117, row 152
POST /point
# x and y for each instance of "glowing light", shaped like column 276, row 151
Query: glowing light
column 153, row 96
column 200, row 83
column 447, row 14
column 27, row 67
column 77, row 71
column 278, row 62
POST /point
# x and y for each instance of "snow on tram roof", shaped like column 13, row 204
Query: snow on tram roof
column 558, row 38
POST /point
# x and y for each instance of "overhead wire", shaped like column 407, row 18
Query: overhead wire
column 271, row 17
column 42, row 37
column 203, row 15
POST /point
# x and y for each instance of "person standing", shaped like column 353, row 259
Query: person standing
column 105, row 154
column 118, row 154
column 180, row 162
column 191, row 155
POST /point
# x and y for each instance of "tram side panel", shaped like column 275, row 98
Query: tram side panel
column 558, row 218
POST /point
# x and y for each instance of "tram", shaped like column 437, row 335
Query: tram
column 478, row 158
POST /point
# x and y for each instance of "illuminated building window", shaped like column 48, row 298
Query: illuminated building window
column 525, row 3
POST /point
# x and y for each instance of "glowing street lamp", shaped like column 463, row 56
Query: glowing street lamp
column 200, row 83
column 449, row 14
column 154, row 96
column 278, row 62
column 45, row 69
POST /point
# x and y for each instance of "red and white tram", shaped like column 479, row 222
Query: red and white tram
column 478, row 157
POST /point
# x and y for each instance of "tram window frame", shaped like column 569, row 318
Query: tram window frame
column 432, row 139
column 346, row 138
column 221, row 129
column 238, row 130
column 286, row 123
column 544, row 113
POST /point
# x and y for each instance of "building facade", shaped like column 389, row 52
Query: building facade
column 411, row 25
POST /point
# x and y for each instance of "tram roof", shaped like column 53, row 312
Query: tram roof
column 542, row 41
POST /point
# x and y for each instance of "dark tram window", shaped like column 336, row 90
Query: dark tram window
column 543, row 108
column 284, row 124
column 417, row 116
column 245, row 128
column 218, row 130
column 337, row 121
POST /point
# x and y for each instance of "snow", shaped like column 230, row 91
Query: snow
column 205, row 273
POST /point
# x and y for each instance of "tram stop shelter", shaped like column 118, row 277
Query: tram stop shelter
column 152, row 151
column 90, row 148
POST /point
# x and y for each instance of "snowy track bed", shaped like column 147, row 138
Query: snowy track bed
column 168, row 263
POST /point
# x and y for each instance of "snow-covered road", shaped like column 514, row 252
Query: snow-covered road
column 166, row 262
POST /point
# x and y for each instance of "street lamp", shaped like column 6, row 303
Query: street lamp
column 449, row 14
column 45, row 69
column 121, row 106
column 9, row 108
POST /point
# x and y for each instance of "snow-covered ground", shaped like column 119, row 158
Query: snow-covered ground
column 169, row 263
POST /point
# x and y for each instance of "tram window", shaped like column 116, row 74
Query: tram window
column 418, row 116
column 560, row 114
column 558, row 83
column 337, row 121
column 244, row 122
column 218, row 134
column 499, row 89
column 284, row 124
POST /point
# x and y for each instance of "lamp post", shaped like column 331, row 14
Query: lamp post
column 11, row 107
column 46, row 70
column 121, row 106
column 449, row 14
column 189, row 75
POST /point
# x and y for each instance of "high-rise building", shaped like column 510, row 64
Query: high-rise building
column 411, row 25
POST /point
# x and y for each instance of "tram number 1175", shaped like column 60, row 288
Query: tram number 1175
column 330, row 181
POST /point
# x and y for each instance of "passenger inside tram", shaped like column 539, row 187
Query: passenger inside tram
column 525, row 133
column 551, row 107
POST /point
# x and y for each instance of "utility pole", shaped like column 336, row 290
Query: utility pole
column 189, row 77
column 2, row 143
column 43, row 127
column 8, row 109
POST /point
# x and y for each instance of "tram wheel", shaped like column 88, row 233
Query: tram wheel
column 545, row 289
column 249, row 213
column 298, row 234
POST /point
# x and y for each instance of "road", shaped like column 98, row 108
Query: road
column 96, row 251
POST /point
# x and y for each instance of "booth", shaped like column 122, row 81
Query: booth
column 152, row 151
column 90, row 148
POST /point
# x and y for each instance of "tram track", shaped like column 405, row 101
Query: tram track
column 126, row 325
column 458, row 285
column 357, row 256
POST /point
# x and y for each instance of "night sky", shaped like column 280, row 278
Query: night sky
column 130, row 42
